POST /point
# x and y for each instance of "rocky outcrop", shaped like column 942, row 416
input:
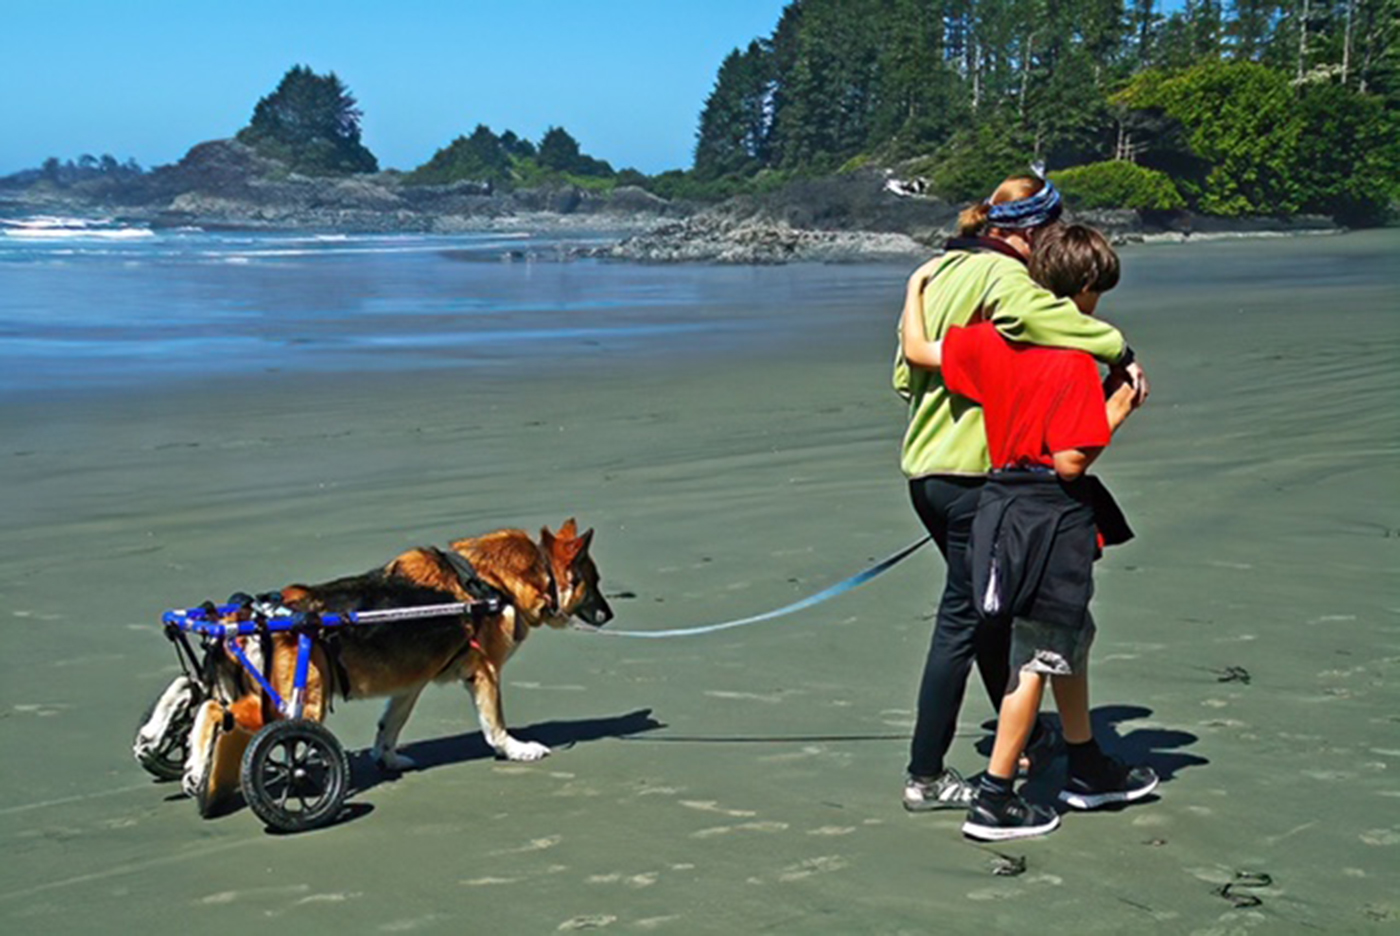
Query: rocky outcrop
column 226, row 183
column 715, row 238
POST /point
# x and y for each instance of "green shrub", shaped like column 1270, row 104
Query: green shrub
column 974, row 162
column 1118, row 185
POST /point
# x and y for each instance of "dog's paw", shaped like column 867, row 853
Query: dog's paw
column 394, row 762
column 524, row 750
column 193, row 780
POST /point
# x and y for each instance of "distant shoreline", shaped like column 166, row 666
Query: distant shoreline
column 852, row 217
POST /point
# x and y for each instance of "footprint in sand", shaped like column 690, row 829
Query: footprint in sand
column 1381, row 837
column 406, row 926
column 741, row 827
column 649, row 923
column 42, row 709
column 714, row 807
column 646, row 879
column 539, row 844
column 595, row 921
column 254, row 894
column 823, row 864
column 745, row 696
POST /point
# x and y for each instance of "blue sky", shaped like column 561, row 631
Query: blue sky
column 150, row 78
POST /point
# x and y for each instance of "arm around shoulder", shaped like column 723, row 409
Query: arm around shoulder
column 1022, row 310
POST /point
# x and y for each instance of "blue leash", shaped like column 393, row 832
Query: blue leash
column 855, row 581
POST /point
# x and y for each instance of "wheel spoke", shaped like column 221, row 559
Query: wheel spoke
column 295, row 779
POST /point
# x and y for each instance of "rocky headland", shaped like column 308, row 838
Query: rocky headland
column 858, row 216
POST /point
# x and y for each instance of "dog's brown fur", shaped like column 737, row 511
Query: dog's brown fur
column 545, row 582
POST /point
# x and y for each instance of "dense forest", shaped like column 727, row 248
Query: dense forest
column 1229, row 108
column 1250, row 107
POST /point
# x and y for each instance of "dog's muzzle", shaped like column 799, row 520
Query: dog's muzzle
column 595, row 612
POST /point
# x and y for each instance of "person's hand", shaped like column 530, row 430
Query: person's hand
column 1138, row 376
column 1118, row 385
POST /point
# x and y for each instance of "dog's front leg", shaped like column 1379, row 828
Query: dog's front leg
column 386, row 741
column 486, row 692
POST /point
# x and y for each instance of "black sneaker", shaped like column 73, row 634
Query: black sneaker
column 999, row 820
column 1110, row 781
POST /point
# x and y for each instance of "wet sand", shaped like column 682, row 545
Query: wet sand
column 746, row 781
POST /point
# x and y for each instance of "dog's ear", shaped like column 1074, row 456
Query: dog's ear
column 569, row 530
column 585, row 541
column 546, row 538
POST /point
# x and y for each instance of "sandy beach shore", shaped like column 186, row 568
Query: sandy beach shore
column 747, row 781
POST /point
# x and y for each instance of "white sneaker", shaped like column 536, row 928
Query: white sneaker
column 948, row 790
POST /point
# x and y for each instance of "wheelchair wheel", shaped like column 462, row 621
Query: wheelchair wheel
column 163, row 738
column 295, row 775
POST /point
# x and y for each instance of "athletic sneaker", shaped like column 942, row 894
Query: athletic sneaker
column 1108, row 781
column 948, row 790
column 1000, row 819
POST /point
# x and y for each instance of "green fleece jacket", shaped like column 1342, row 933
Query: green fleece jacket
column 945, row 433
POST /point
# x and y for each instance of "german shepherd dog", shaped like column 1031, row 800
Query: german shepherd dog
column 545, row 582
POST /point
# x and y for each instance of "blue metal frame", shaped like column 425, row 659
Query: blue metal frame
column 205, row 622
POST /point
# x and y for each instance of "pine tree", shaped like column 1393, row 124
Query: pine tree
column 311, row 123
column 736, row 121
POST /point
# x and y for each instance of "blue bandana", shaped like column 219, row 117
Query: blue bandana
column 1039, row 209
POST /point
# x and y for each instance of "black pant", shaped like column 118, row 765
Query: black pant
column 946, row 504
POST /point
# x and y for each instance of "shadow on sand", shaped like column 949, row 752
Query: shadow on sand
column 1158, row 748
column 365, row 775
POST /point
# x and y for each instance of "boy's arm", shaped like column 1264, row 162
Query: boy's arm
column 1122, row 400
column 1023, row 310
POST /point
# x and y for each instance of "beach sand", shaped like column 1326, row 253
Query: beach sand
column 746, row 781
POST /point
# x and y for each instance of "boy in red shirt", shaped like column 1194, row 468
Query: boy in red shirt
column 1034, row 539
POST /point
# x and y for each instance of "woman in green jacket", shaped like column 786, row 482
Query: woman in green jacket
column 981, row 276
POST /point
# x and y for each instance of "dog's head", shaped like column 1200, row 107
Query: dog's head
column 576, row 576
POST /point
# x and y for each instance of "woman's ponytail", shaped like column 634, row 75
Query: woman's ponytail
column 973, row 220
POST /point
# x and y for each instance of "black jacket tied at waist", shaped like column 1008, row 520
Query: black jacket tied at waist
column 1033, row 545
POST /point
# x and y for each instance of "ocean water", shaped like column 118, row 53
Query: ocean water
column 94, row 307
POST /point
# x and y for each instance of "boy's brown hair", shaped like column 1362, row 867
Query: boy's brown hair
column 1071, row 258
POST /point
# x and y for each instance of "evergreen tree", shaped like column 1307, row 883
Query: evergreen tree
column 735, row 121
column 311, row 123
column 481, row 157
column 1223, row 95
column 558, row 150
column 919, row 101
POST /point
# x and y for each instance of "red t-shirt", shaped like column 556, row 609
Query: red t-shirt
column 1035, row 401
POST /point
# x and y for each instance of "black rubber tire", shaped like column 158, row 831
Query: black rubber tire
column 167, row 762
column 295, row 775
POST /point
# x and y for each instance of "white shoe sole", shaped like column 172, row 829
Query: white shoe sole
column 1088, row 801
column 934, row 805
column 998, row 834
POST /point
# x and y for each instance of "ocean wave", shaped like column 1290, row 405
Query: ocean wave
column 46, row 227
